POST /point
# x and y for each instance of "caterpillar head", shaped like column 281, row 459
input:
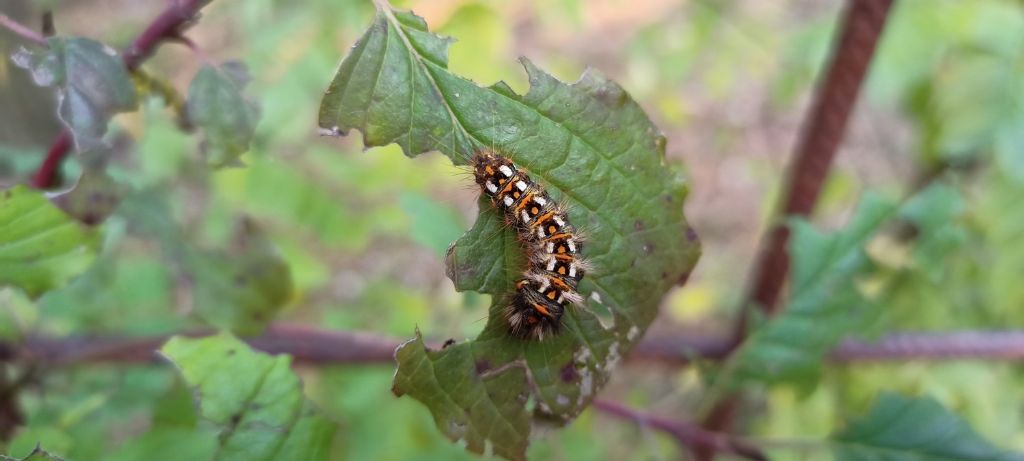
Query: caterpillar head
column 492, row 171
column 531, row 316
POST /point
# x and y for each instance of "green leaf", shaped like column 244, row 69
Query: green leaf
column 824, row 303
column 38, row 454
column 935, row 215
column 901, row 428
column 216, row 105
column 254, row 400
column 92, row 83
column 595, row 150
column 40, row 246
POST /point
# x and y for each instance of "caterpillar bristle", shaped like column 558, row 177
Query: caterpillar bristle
column 552, row 243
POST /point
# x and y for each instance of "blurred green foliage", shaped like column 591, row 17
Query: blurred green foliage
column 362, row 235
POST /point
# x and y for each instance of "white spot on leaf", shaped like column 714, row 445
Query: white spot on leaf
column 633, row 333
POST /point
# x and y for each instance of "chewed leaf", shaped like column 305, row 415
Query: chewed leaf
column 255, row 400
column 93, row 84
column 899, row 428
column 40, row 246
column 595, row 150
column 217, row 106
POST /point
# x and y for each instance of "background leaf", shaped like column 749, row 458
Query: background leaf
column 595, row 149
column 40, row 246
column 254, row 401
column 216, row 105
column 824, row 304
column 899, row 428
column 96, row 194
column 92, row 81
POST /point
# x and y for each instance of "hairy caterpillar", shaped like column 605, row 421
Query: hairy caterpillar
column 553, row 246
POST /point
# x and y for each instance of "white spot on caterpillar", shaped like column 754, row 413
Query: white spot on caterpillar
column 572, row 245
column 525, row 215
column 572, row 270
column 544, row 284
column 558, row 219
column 540, row 201
column 521, row 185
column 551, row 264
column 491, row 187
column 505, row 170
column 551, row 247
column 540, row 234
column 508, row 201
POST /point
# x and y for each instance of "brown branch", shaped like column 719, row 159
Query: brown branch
column 823, row 130
column 686, row 434
column 824, row 127
column 168, row 25
column 313, row 346
column 23, row 31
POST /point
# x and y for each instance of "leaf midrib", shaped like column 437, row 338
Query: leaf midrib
column 457, row 123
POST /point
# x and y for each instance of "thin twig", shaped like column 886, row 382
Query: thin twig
column 48, row 28
column 23, row 31
column 168, row 25
column 687, row 434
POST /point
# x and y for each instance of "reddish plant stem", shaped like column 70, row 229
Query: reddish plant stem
column 313, row 346
column 824, row 127
column 686, row 434
column 823, row 130
column 47, row 173
column 168, row 25
column 23, row 31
